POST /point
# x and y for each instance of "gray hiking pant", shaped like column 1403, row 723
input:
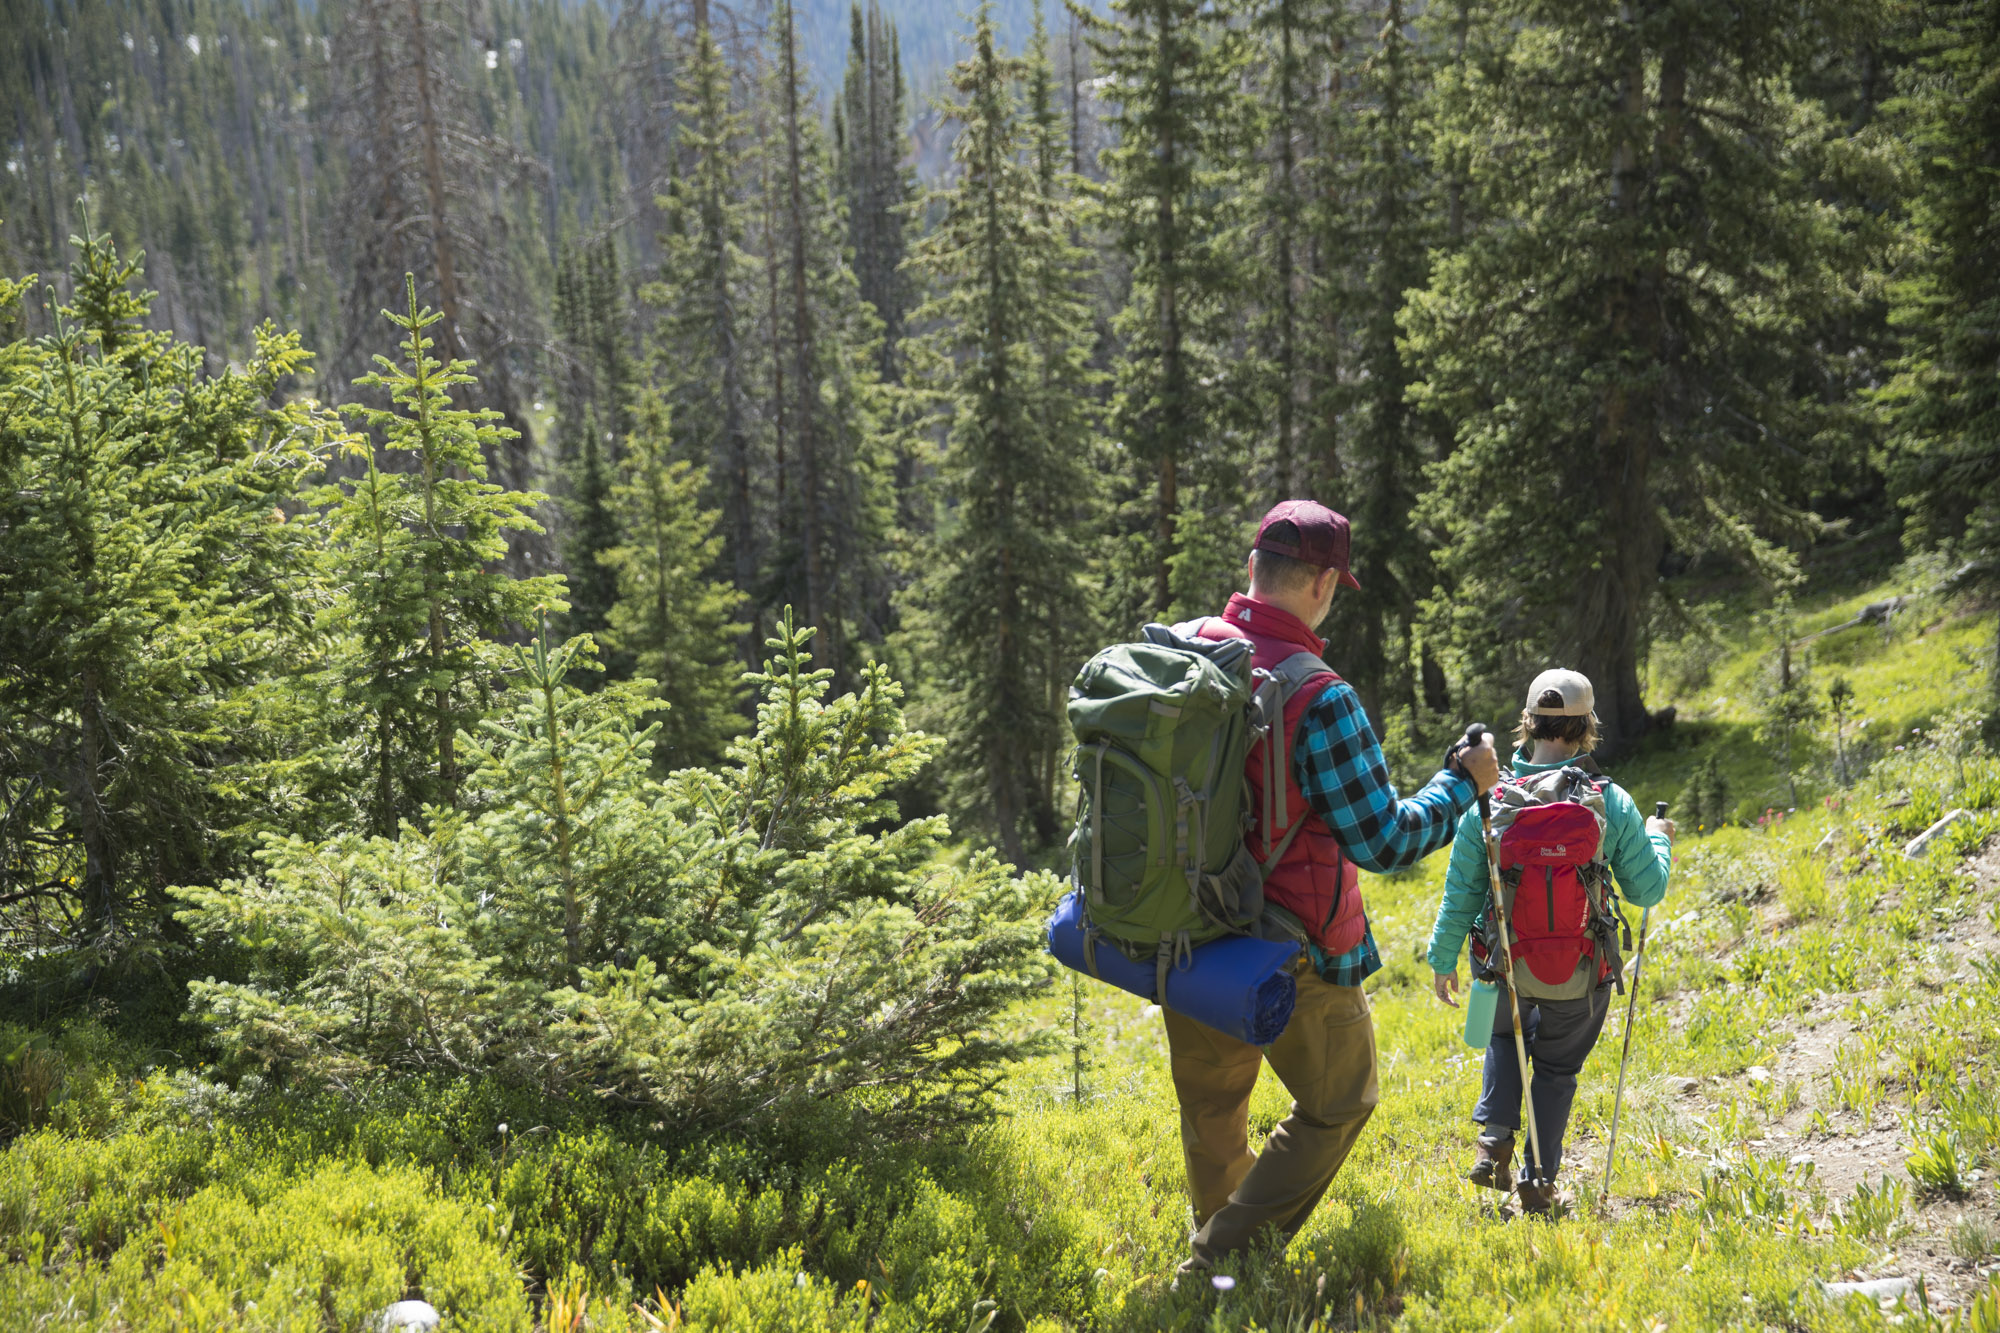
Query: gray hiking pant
column 1559, row 1034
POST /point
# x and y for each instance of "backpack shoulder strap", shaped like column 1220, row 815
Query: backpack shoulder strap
column 1286, row 679
column 1299, row 670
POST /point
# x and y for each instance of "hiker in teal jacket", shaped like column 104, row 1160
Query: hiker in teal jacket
column 1560, row 1020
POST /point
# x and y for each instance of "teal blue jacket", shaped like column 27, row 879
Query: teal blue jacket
column 1639, row 860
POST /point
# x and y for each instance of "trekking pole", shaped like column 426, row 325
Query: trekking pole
column 1474, row 734
column 1631, row 1007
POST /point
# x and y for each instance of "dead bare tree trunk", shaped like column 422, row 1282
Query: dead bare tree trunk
column 450, row 342
column 802, row 355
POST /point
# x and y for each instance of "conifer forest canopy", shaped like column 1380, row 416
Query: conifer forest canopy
column 717, row 433
column 974, row 347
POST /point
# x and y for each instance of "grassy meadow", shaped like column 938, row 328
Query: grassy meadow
column 1811, row 1097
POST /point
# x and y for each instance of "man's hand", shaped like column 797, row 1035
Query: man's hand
column 1445, row 984
column 1654, row 824
column 1479, row 764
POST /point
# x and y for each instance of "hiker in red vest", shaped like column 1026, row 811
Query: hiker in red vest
column 1341, row 813
column 1564, row 829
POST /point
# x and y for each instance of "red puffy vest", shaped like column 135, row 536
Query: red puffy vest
column 1314, row 880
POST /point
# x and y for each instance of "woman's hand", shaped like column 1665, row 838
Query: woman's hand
column 1445, row 985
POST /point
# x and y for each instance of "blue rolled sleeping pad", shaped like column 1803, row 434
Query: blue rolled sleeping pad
column 1237, row 985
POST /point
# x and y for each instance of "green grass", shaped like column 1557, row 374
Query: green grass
column 147, row 1198
column 1931, row 657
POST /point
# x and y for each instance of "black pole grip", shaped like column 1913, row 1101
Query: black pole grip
column 1475, row 735
column 1659, row 809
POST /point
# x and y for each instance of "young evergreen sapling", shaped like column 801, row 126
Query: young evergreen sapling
column 417, row 558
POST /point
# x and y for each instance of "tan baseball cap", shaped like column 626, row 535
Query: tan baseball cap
column 1578, row 699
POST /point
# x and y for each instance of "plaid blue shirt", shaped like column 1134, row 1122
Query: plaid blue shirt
column 1339, row 767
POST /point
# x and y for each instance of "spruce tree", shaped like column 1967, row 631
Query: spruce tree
column 1375, row 222
column 425, row 193
column 594, row 325
column 590, row 529
column 868, row 125
column 1005, row 368
column 1182, row 404
column 415, row 553
column 707, row 359
column 152, row 606
column 1944, row 404
column 1068, row 334
column 593, row 409
column 832, row 558
column 757, row 940
column 672, row 620
column 1622, row 348
column 1296, row 55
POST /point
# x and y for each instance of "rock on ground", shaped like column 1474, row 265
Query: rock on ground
column 419, row 1315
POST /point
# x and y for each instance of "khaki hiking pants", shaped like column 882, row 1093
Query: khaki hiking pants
column 1326, row 1059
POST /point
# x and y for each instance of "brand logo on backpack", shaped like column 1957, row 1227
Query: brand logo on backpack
column 1551, row 829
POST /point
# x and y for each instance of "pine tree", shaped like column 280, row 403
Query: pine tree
column 590, row 529
column 672, row 620
column 705, row 355
column 833, row 558
column 1376, row 226
column 1622, row 349
column 152, row 606
column 1006, row 368
column 869, row 135
column 1944, row 404
column 594, row 407
column 1181, row 405
column 416, row 555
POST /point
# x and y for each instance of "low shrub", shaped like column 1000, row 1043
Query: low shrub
column 64, row 1078
column 1802, row 887
column 325, row 1249
column 779, row 1297
column 723, row 945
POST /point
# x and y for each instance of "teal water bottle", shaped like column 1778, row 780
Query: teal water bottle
column 1480, row 1003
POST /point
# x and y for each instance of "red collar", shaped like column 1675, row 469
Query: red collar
column 1268, row 621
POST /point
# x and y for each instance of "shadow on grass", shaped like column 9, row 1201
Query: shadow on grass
column 1361, row 1277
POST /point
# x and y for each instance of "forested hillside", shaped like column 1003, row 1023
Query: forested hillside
column 543, row 549
column 1561, row 312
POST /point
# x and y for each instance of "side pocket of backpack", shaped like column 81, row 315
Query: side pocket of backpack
column 1122, row 817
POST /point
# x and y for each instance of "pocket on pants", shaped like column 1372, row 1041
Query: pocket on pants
column 1327, row 1055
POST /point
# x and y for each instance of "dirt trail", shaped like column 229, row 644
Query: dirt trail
column 1846, row 1149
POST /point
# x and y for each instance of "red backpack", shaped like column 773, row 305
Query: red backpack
column 1551, row 831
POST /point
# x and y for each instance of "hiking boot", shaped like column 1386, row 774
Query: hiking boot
column 1536, row 1197
column 1492, row 1167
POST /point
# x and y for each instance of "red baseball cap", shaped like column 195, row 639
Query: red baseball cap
column 1323, row 539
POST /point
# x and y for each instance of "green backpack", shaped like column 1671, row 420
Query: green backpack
column 1163, row 732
